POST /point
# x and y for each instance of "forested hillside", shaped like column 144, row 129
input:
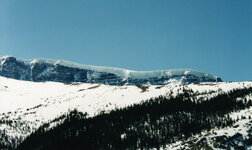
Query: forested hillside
column 150, row 124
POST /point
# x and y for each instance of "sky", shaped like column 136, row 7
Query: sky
column 213, row 36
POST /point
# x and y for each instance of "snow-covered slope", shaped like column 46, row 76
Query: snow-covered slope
column 64, row 71
column 25, row 105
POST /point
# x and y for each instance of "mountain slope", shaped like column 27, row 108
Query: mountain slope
column 152, row 123
column 64, row 71
column 26, row 106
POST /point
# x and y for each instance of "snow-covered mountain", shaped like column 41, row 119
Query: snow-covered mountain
column 114, row 108
column 63, row 71
column 25, row 106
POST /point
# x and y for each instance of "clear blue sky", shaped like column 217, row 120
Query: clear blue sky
column 213, row 36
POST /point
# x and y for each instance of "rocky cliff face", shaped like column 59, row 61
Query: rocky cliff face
column 40, row 70
column 12, row 68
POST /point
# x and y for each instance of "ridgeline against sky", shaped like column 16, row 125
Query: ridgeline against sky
column 212, row 36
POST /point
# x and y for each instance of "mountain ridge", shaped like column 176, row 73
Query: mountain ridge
column 41, row 69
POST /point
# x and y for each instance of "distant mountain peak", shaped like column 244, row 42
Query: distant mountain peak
column 42, row 69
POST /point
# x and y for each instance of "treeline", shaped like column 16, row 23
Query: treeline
column 153, row 123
